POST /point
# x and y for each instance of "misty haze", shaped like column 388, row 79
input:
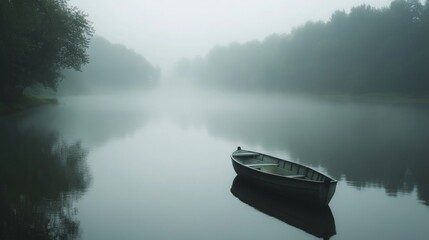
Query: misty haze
column 119, row 119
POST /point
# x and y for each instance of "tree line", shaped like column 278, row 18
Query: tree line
column 113, row 67
column 37, row 40
column 45, row 41
column 368, row 50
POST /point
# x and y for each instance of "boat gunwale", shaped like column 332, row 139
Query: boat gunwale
column 332, row 180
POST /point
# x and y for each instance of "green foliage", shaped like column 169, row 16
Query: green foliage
column 365, row 51
column 38, row 38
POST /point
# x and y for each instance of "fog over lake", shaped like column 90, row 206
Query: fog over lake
column 118, row 119
column 159, row 162
column 165, row 31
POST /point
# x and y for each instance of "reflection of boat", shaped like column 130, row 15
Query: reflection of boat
column 317, row 221
column 287, row 178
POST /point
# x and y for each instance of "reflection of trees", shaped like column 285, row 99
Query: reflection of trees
column 40, row 177
column 88, row 118
column 377, row 145
column 382, row 145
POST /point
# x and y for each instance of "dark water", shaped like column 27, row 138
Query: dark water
column 157, row 166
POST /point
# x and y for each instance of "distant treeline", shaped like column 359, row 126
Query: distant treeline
column 368, row 50
column 112, row 67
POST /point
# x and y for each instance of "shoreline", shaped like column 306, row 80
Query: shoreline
column 26, row 102
column 378, row 98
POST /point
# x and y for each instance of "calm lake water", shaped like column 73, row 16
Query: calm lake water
column 157, row 166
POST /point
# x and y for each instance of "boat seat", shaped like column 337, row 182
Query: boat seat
column 262, row 165
column 245, row 154
column 295, row 176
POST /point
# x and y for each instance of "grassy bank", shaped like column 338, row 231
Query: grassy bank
column 26, row 102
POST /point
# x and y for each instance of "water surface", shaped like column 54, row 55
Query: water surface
column 156, row 166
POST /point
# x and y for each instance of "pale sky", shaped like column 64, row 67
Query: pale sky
column 164, row 31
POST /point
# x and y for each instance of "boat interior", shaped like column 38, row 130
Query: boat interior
column 277, row 166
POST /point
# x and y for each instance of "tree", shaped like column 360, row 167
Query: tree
column 113, row 67
column 366, row 51
column 39, row 38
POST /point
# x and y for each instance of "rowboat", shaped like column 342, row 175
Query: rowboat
column 290, row 179
column 317, row 221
